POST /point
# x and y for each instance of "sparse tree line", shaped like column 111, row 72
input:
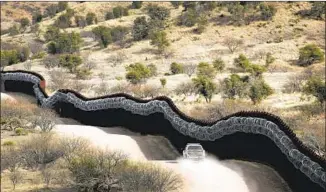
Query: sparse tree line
column 71, row 162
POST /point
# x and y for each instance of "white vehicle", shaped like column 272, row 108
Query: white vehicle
column 194, row 151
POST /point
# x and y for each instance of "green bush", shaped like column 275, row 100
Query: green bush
column 120, row 11
column 318, row 9
column 259, row 90
column 205, row 86
column 103, row 34
column 269, row 59
column 235, row 86
column 109, row 15
column 219, row 64
column 63, row 21
column 140, row 29
column 310, row 54
column 159, row 40
column 91, row 18
column 65, row 43
column 52, row 33
column 83, row 73
column 39, row 55
column 9, row 57
column 14, row 30
column 256, row 70
column 267, row 11
column 157, row 12
column 188, row 18
column 242, row 62
column 20, row 131
column 176, row 68
column 155, row 25
column 71, row 62
column 24, row 22
column 8, row 143
column 201, row 23
column 206, row 70
column 137, row 73
column 52, row 10
column 316, row 87
column 119, row 33
column 163, row 82
column 136, row 4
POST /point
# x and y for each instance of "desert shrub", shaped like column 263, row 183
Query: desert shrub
column 310, row 54
column 206, row 70
column 145, row 91
column 63, row 21
column 15, row 178
column 51, row 61
column 14, row 30
column 185, row 88
column 96, row 169
column 52, row 33
column 109, row 15
column 316, row 87
column 155, row 25
column 80, row 21
column 219, row 64
column 201, row 23
column 9, row 143
column 91, row 18
column 256, row 70
column 58, row 80
column 11, row 158
column 118, row 58
column 176, row 4
column 140, row 29
column 233, row 44
column 9, row 57
column 83, row 73
column 269, row 59
column 20, row 131
column 36, row 29
column 119, row 33
column 120, row 11
column 205, row 86
column 149, row 177
column 103, row 34
column 28, row 65
column 157, row 12
column 159, row 40
column 24, row 53
column 267, row 11
column 35, row 47
column 153, row 70
column 189, row 5
column 71, row 62
column 234, row 86
column 44, row 119
column 189, row 69
column 24, row 22
column 188, row 18
column 62, row 6
column 66, row 43
column 137, row 73
column 242, row 62
column 136, row 4
column 259, row 90
column 294, row 84
column 163, row 82
column 318, row 10
column 37, row 17
column 52, row 10
column 237, row 13
column 41, row 150
column 176, row 68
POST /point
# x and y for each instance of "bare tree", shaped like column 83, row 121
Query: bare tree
column 35, row 47
column 118, row 58
column 58, row 80
column 48, row 174
column 185, row 88
column 149, row 177
column 232, row 43
column 148, row 91
column 15, row 178
column 11, row 158
column 189, row 69
column 78, row 85
column 51, row 61
column 44, row 119
column 41, row 150
column 102, row 89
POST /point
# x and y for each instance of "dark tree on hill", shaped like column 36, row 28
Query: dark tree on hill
column 140, row 29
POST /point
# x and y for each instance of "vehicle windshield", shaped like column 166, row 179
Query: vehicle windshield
column 195, row 147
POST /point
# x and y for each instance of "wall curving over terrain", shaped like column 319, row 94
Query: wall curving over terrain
column 253, row 136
